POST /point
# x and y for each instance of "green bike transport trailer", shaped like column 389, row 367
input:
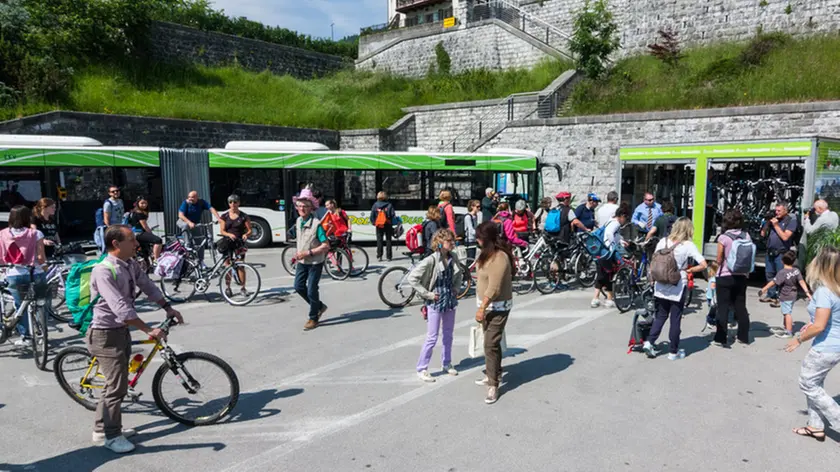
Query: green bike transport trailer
column 750, row 175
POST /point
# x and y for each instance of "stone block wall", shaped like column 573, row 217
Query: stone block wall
column 176, row 44
column 124, row 130
column 587, row 147
column 439, row 125
column 700, row 21
column 488, row 44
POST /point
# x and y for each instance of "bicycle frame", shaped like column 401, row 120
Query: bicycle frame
column 158, row 346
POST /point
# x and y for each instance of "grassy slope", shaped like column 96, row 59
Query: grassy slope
column 346, row 100
column 796, row 71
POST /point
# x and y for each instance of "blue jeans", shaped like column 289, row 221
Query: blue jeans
column 307, row 278
column 772, row 265
column 17, row 283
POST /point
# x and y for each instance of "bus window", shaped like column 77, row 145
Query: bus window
column 465, row 185
column 259, row 188
column 20, row 187
column 406, row 188
column 359, row 190
column 141, row 182
column 87, row 189
column 323, row 180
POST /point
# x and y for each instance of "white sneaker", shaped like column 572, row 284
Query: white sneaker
column 99, row 438
column 609, row 304
column 119, row 444
column 450, row 370
column 595, row 303
column 679, row 355
column 484, row 381
column 649, row 350
column 21, row 342
column 425, row 376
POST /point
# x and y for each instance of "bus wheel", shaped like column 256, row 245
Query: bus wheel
column 260, row 233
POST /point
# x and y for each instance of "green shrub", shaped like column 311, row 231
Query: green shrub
column 594, row 39
column 444, row 62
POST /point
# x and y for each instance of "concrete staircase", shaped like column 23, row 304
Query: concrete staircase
column 521, row 106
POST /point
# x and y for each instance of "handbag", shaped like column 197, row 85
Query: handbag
column 476, row 342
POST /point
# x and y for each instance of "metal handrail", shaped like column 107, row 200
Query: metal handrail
column 485, row 119
column 534, row 18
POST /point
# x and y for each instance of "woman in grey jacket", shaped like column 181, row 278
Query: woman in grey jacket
column 437, row 279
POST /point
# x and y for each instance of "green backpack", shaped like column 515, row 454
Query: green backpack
column 77, row 292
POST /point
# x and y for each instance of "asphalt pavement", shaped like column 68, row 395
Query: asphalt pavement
column 345, row 397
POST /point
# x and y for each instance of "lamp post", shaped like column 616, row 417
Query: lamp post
column 332, row 31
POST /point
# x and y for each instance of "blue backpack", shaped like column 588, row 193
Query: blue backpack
column 552, row 221
column 595, row 245
column 99, row 216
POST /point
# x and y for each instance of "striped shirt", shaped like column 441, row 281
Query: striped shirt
column 443, row 287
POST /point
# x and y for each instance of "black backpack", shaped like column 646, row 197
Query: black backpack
column 460, row 225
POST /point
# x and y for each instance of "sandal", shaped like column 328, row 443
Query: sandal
column 809, row 433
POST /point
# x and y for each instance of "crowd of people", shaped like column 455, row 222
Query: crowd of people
column 492, row 232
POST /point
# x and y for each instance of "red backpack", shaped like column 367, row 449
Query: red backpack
column 412, row 238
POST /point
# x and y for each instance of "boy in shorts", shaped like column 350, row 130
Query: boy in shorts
column 788, row 280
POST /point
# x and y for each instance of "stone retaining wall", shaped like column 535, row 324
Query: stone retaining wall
column 176, row 44
column 124, row 130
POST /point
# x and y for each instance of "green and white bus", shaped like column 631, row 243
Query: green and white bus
column 76, row 172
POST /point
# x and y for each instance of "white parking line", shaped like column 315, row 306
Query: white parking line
column 291, row 381
column 264, row 460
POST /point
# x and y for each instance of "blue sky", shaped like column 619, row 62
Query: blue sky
column 312, row 17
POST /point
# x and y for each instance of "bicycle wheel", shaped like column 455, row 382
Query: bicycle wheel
column 241, row 291
column 196, row 389
column 338, row 264
column 623, row 289
column 688, row 297
column 38, row 335
column 181, row 288
column 586, row 269
column 79, row 377
column 394, row 289
column 360, row 260
column 466, row 282
column 546, row 275
column 524, row 281
column 58, row 308
column 288, row 259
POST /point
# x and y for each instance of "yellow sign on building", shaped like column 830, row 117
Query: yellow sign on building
column 449, row 22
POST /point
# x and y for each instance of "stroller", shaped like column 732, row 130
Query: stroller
column 642, row 321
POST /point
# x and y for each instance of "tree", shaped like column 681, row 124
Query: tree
column 667, row 49
column 595, row 38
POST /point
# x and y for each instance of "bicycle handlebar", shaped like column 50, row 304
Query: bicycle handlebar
column 167, row 323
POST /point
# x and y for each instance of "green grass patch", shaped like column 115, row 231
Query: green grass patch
column 770, row 69
column 346, row 100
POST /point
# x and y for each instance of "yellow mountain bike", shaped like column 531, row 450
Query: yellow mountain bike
column 193, row 388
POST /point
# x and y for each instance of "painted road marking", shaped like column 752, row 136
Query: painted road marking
column 266, row 459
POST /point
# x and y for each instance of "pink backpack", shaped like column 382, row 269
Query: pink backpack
column 20, row 249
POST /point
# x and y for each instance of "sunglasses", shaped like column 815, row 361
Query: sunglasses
column 649, row 199
column 114, row 191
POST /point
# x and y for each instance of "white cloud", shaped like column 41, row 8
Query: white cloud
column 312, row 17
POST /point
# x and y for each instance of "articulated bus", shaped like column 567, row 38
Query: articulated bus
column 76, row 172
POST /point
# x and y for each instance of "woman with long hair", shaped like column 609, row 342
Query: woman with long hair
column 22, row 245
column 494, row 296
column 670, row 299
column 43, row 220
column 430, row 226
column 823, row 274
column 447, row 213
column 731, row 288
column 436, row 279
column 138, row 220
